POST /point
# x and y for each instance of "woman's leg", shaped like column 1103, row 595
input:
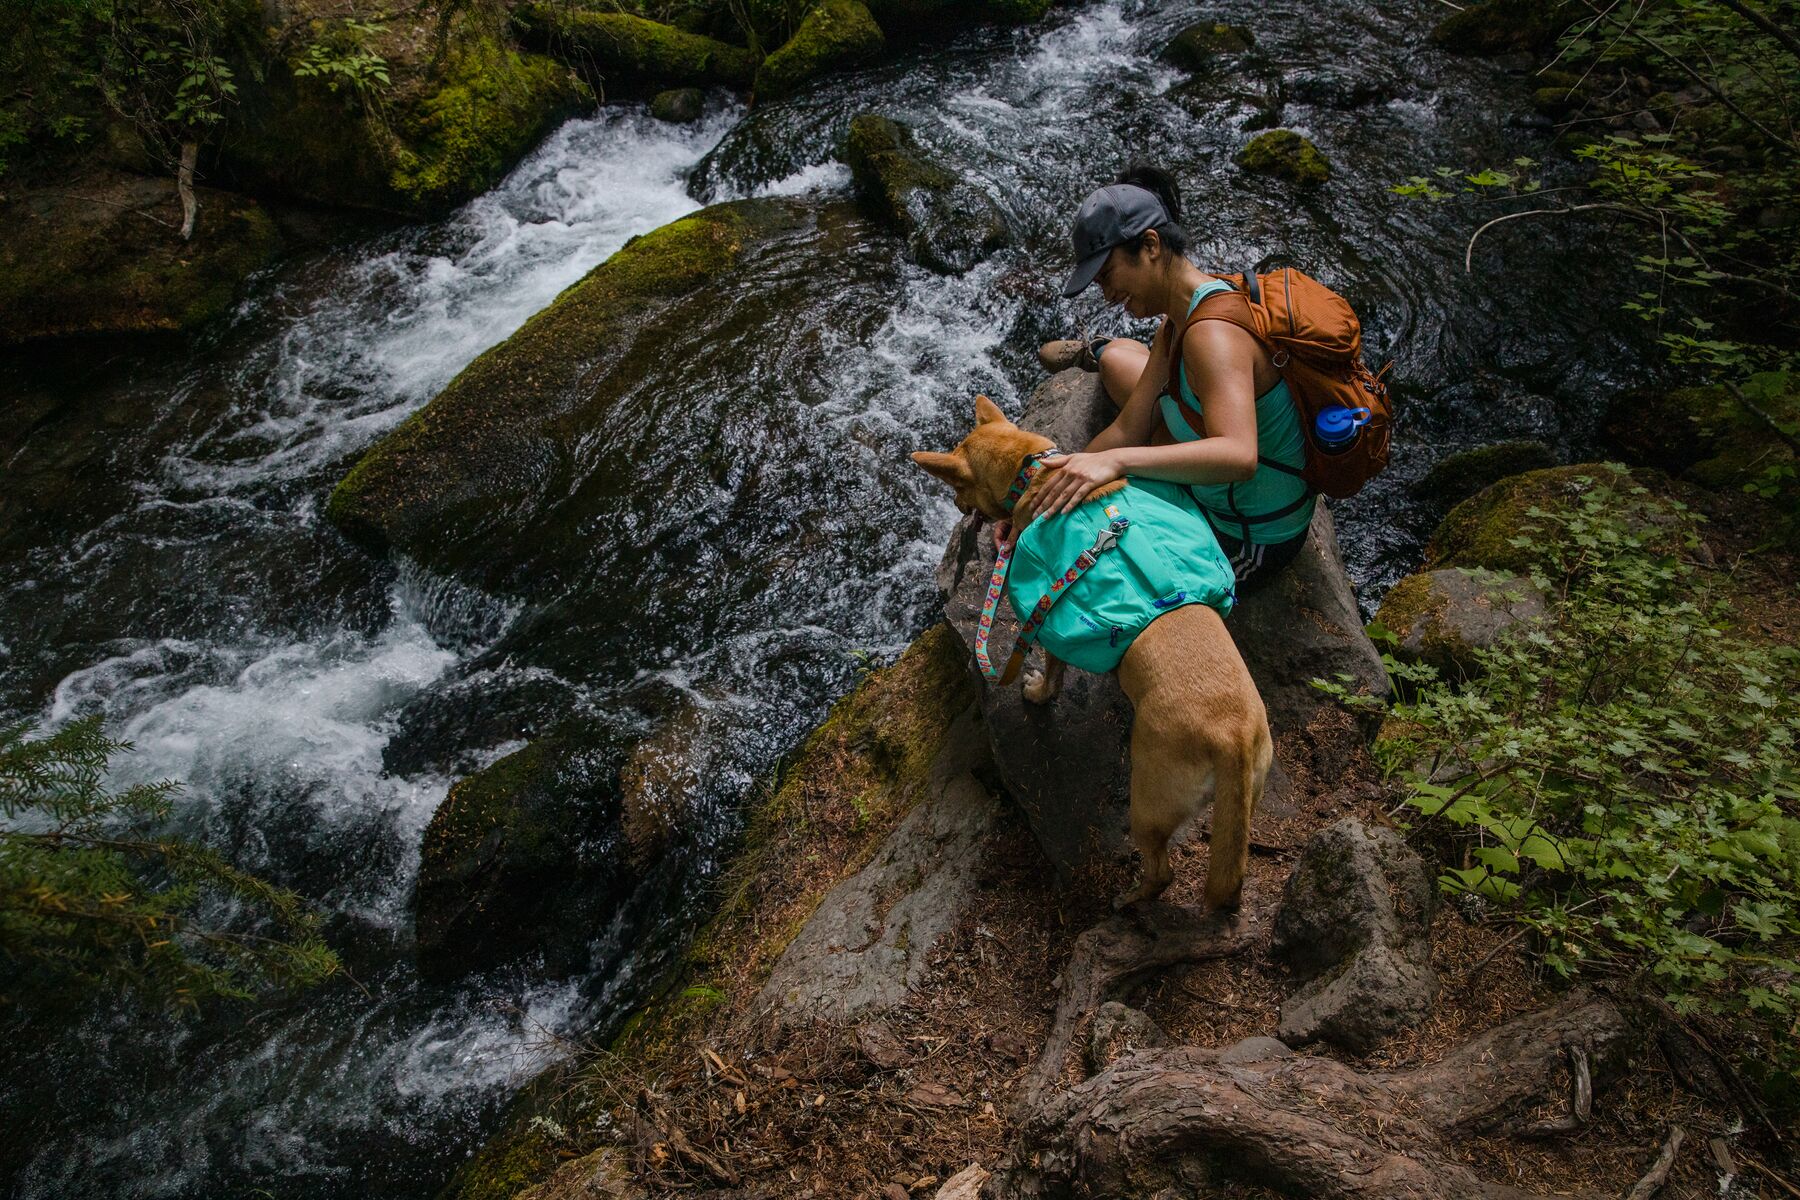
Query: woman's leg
column 1122, row 360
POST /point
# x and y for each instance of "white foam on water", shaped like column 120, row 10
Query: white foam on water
column 389, row 331
column 817, row 179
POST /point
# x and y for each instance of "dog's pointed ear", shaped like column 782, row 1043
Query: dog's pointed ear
column 952, row 468
column 986, row 411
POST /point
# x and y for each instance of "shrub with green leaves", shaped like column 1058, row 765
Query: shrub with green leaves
column 1623, row 780
column 94, row 900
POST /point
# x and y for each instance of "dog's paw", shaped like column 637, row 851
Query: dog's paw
column 1038, row 689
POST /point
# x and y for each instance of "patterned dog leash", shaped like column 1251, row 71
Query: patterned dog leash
column 990, row 605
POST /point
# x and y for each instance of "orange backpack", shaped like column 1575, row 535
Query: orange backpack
column 1315, row 340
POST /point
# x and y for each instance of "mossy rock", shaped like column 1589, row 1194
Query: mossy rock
column 1502, row 26
column 1443, row 618
column 834, row 35
column 618, row 44
column 1201, row 46
column 1555, row 101
column 524, row 856
column 447, row 129
column 1458, row 476
column 1705, row 434
column 916, row 17
column 1285, row 155
column 477, row 483
column 1481, row 531
column 103, row 255
column 678, row 106
column 949, row 224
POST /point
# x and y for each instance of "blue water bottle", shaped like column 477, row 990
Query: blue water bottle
column 1335, row 428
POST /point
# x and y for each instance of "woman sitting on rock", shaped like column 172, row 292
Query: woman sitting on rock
column 1226, row 425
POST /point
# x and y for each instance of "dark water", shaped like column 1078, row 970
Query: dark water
column 754, row 525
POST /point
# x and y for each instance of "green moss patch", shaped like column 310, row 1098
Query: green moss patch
column 1493, row 528
column 1456, row 477
column 622, row 44
column 1285, row 154
column 835, row 34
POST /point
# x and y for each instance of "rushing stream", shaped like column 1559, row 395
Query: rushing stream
column 163, row 559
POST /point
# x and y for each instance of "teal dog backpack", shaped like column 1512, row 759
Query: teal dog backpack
column 1085, row 583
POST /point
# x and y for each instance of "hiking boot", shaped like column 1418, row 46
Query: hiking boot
column 1071, row 352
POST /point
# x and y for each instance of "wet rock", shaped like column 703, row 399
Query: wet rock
column 1498, row 26
column 1442, row 618
column 1354, row 925
column 620, row 45
column 869, row 941
column 1204, row 45
column 949, row 224
column 1284, row 154
column 1458, row 476
column 1067, row 764
column 523, row 857
column 467, row 105
column 1343, row 87
column 1118, row 1030
column 103, row 254
column 678, row 106
column 835, row 34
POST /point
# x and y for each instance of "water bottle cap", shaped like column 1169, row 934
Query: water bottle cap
column 1339, row 424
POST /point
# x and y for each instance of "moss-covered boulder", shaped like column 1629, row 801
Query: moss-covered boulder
column 1709, row 434
column 1285, row 154
column 834, row 35
column 524, row 857
column 1442, row 618
column 949, row 224
column 512, row 477
column 445, row 130
column 1456, row 477
column 103, row 254
column 1203, row 45
column 623, row 47
column 1496, row 528
column 678, row 106
column 1500, row 26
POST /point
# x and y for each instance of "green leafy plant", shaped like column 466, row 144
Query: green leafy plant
column 344, row 59
column 94, row 900
column 1623, row 780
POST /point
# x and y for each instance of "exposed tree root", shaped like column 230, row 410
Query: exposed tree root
column 1113, row 956
column 1305, row 1125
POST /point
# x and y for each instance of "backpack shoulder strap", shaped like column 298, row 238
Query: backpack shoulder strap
column 1232, row 306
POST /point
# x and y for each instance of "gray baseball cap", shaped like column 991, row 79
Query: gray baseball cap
column 1110, row 216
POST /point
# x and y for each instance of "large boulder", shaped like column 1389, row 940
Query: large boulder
column 1500, row 26
column 1715, row 437
column 102, row 254
column 1067, row 764
column 524, row 857
column 949, row 224
column 1443, row 618
column 1207, row 44
column 834, row 35
column 1354, row 925
column 485, row 481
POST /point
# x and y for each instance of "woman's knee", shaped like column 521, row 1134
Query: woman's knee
column 1122, row 362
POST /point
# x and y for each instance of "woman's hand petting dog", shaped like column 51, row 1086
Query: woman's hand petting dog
column 1071, row 477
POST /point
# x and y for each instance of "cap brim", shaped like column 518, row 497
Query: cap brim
column 1084, row 273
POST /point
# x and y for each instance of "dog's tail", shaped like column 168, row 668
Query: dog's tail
column 1237, row 790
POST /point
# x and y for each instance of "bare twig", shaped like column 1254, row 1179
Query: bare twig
column 1581, row 1101
column 1469, row 252
column 1658, row 1174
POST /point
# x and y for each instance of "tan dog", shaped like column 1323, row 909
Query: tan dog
column 1200, row 725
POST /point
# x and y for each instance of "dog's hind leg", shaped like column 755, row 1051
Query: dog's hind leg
column 1166, row 789
column 1243, row 771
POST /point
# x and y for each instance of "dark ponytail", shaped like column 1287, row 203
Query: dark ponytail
column 1162, row 185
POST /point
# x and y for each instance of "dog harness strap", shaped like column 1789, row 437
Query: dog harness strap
column 1028, row 471
column 989, row 607
column 1104, row 541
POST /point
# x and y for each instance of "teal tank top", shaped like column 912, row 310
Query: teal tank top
column 1274, row 504
column 1166, row 558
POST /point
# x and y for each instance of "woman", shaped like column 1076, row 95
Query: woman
column 1226, row 425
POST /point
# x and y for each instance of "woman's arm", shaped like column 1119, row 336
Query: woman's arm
column 1221, row 368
